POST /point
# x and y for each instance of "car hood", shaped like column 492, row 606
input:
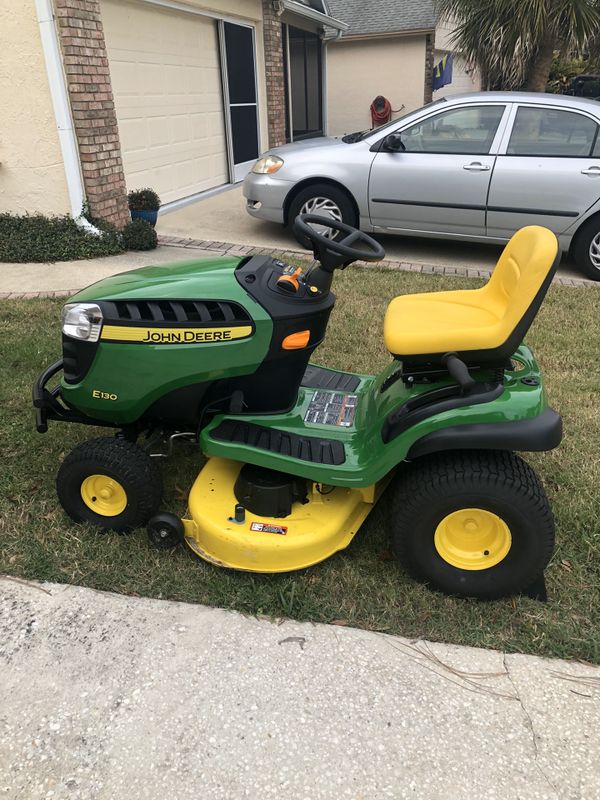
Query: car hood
column 307, row 144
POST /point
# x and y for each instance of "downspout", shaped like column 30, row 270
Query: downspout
column 325, row 40
column 62, row 113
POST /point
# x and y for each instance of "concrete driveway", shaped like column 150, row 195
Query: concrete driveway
column 105, row 697
column 223, row 218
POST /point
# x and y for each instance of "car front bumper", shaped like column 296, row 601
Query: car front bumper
column 265, row 196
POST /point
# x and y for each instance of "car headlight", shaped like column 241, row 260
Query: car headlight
column 268, row 165
column 82, row 321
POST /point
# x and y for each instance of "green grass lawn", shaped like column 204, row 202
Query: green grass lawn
column 362, row 586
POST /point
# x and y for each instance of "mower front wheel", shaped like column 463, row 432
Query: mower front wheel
column 111, row 483
column 472, row 523
column 165, row 531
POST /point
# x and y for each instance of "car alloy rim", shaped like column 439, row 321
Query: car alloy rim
column 595, row 251
column 326, row 208
column 104, row 495
column 472, row 539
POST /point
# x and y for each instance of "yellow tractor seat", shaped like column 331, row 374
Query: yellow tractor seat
column 480, row 325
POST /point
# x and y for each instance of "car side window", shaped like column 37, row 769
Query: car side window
column 469, row 130
column 551, row 132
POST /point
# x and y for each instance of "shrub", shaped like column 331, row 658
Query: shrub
column 38, row 238
column 563, row 70
column 139, row 235
column 143, row 200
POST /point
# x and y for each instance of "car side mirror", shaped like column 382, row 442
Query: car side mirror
column 393, row 143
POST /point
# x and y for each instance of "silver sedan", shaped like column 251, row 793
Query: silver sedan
column 475, row 167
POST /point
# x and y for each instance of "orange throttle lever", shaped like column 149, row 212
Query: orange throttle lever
column 290, row 283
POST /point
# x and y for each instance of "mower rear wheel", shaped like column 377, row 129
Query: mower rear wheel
column 111, row 483
column 472, row 523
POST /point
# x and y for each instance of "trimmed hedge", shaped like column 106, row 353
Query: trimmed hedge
column 139, row 235
column 34, row 237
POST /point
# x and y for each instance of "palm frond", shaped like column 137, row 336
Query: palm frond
column 504, row 37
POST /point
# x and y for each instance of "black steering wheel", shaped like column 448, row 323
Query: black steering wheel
column 334, row 253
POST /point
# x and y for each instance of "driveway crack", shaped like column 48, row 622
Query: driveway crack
column 529, row 722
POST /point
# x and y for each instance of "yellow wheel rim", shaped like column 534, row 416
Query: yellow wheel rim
column 104, row 495
column 472, row 538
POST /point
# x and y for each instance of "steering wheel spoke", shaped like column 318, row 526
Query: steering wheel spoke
column 351, row 238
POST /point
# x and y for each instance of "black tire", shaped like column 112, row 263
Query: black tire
column 430, row 489
column 165, row 531
column 581, row 248
column 325, row 191
column 117, row 460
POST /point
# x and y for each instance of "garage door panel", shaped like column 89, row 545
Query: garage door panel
column 165, row 72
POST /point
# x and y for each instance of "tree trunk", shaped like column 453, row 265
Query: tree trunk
column 539, row 69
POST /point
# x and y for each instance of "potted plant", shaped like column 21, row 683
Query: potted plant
column 144, row 204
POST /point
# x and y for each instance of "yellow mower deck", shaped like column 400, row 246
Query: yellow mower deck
column 311, row 533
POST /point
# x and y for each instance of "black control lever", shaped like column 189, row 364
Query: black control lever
column 459, row 372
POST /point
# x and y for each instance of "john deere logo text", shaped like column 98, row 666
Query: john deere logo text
column 125, row 333
column 166, row 337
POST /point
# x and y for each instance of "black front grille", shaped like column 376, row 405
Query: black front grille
column 178, row 311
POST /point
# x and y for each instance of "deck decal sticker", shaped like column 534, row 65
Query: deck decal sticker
column 267, row 527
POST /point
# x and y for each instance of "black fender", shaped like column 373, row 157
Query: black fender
column 540, row 433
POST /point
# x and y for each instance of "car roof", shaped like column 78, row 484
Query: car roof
column 541, row 98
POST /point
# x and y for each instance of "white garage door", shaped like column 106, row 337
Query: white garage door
column 165, row 74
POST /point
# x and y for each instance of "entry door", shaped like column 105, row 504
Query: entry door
column 239, row 89
column 440, row 183
column 550, row 173
column 305, row 94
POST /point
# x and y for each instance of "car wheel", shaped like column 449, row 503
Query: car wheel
column 586, row 249
column 473, row 523
column 326, row 200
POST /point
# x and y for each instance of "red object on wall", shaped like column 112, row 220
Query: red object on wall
column 381, row 111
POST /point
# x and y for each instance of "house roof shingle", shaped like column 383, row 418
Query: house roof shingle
column 383, row 16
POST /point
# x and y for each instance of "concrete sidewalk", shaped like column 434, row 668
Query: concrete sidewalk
column 66, row 277
column 104, row 697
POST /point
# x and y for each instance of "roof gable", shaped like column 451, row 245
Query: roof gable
column 372, row 17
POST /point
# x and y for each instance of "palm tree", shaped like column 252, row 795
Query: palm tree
column 513, row 41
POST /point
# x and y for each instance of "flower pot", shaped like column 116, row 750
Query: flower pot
column 149, row 216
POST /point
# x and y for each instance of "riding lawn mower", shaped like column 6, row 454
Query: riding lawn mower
column 297, row 455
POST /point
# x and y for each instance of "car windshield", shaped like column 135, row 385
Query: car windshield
column 358, row 136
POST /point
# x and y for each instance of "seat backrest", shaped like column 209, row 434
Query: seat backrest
column 520, row 281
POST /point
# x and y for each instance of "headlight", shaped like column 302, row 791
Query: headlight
column 268, row 165
column 82, row 321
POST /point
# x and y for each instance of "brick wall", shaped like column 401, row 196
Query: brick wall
column 275, row 80
column 86, row 66
column 429, row 47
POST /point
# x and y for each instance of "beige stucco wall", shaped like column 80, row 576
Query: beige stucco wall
column 32, row 176
column 358, row 71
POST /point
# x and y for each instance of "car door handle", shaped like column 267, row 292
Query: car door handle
column 477, row 166
column 591, row 171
